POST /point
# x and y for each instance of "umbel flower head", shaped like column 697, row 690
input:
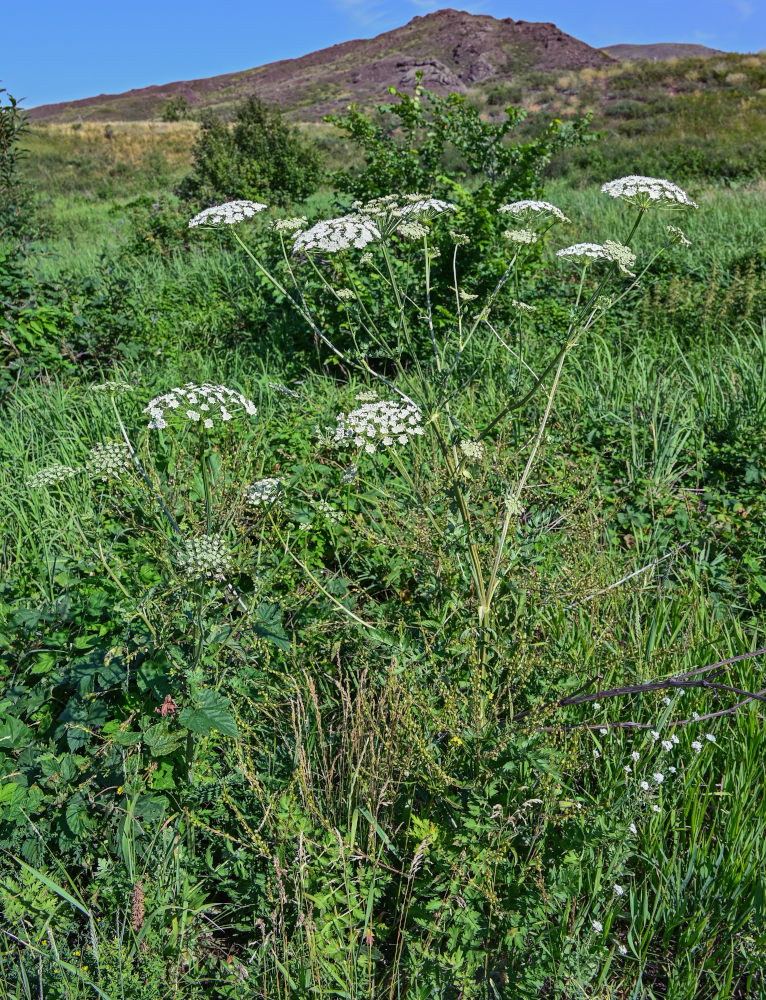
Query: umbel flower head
column 384, row 423
column 50, row 475
column 644, row 192
column 611, row 251
column 403, row 214
column 226, row 214
column 112, row 388
column 200, row 404
column 263, row 492
column 334, row 235
column 534, row 211
column 521, row 235
column 109, row 460
column 205, row 557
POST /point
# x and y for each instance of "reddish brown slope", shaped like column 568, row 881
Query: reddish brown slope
column 453, row 48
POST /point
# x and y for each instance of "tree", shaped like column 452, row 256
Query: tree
column 260, row 157
column 14, row 207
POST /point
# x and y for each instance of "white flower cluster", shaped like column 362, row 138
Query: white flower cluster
column 676, row 236
column 459, row 239
column 645, row 191
column 228, row 213
column 531, row 210
column 611, row 251
column 109, row 460
column 473, row 450
column 344, row 294
column 334, row 235
column 383, row 423
column 50, row 475
column 112, row 388
column 289, row 225
column 323, row 508
column 278, row 387
column 264, row 491
column 403, row 214
column 198, row 403
column 205, row 557
column 523, row 306
column 521, row 235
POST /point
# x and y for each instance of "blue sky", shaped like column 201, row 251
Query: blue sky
column 56, row 51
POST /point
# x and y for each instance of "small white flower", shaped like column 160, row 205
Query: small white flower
column 695, row 716
column 666, row 700
column 334, row 235
column 645, row 786
column 213, row 400
column 619, row 890
column 697, row 746
column 110, row 460
column 596, row 705
column 674, row 739
column 654, row 735
column 633, row 829
column 205, row 557
column 228, row 213
column 710, row 737
column 50, row 475
column 672, row 770
column 473, row 450
column 263, row 492
column 622, row 949
column 596, row 754
column 597, row 926
column 667, row 745
column 656, row 808
column 378, row 423
column 659, row 777
column 603, row 730
column 636, row 755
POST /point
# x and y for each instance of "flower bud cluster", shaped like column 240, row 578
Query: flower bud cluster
column 198, row 403
column 205, row 557
column 521, row 235
column 50, row 475
column 644, row 192
column 264, row 491
column 473, row 450
column 228, row 213
column 383, row 423
column 109, row 460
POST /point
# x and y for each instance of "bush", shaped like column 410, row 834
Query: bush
column 261, row 157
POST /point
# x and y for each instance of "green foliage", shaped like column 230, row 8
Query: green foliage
column 14, row 198
column 176, row 109
column 260, row 157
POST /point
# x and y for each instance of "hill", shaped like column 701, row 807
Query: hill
column 454, row 49
column 661, row 50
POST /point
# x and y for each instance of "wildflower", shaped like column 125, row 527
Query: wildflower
column 366, row 258
column 473, row 450
column 523, row 307
column 659, row 777
column 622, row 949
column 202, row 402
column 697, row 746
column 109, row 460
column 366, row 396
column 532, row 210
column 325, row 510
column 596, row 754
column 632, row 828
column 654, row 734
column 521, row 235
column 350, row 474
column 344, row 294
column 278, row 387
column 412, row 230
column 112, row 388
column 645, row 786
column 667, row 745
column 334, row 235
column 459, row 239
column 672, row 770
column 645, row 191
column 264, row 491
column 228, row 213
column 50, row 475
column 404, row 214
column 465, row 296
column 596, row 705
column 383, row 423
column 597, row 926
column 205, row 557
column 622, row 256
column 603, row 730
column 593, row 250
column 656, row 808
column 666, row 700
column 289, row 225
column 676, row 236
column 695, row 716
column 619, row 890
column 626, row 769
column 636, row 755
column 710, row 737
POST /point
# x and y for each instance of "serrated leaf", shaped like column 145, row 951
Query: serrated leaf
column 213, row 712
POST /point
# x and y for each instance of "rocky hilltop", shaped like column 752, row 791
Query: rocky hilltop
column 455, row 50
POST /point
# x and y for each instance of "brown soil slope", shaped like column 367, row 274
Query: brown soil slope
column 454, row 50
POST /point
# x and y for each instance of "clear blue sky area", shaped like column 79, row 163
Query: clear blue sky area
column 56, row 51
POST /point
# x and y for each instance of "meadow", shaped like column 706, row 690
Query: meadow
column 383, row 620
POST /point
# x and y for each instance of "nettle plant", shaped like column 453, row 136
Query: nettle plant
column 420, row 396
